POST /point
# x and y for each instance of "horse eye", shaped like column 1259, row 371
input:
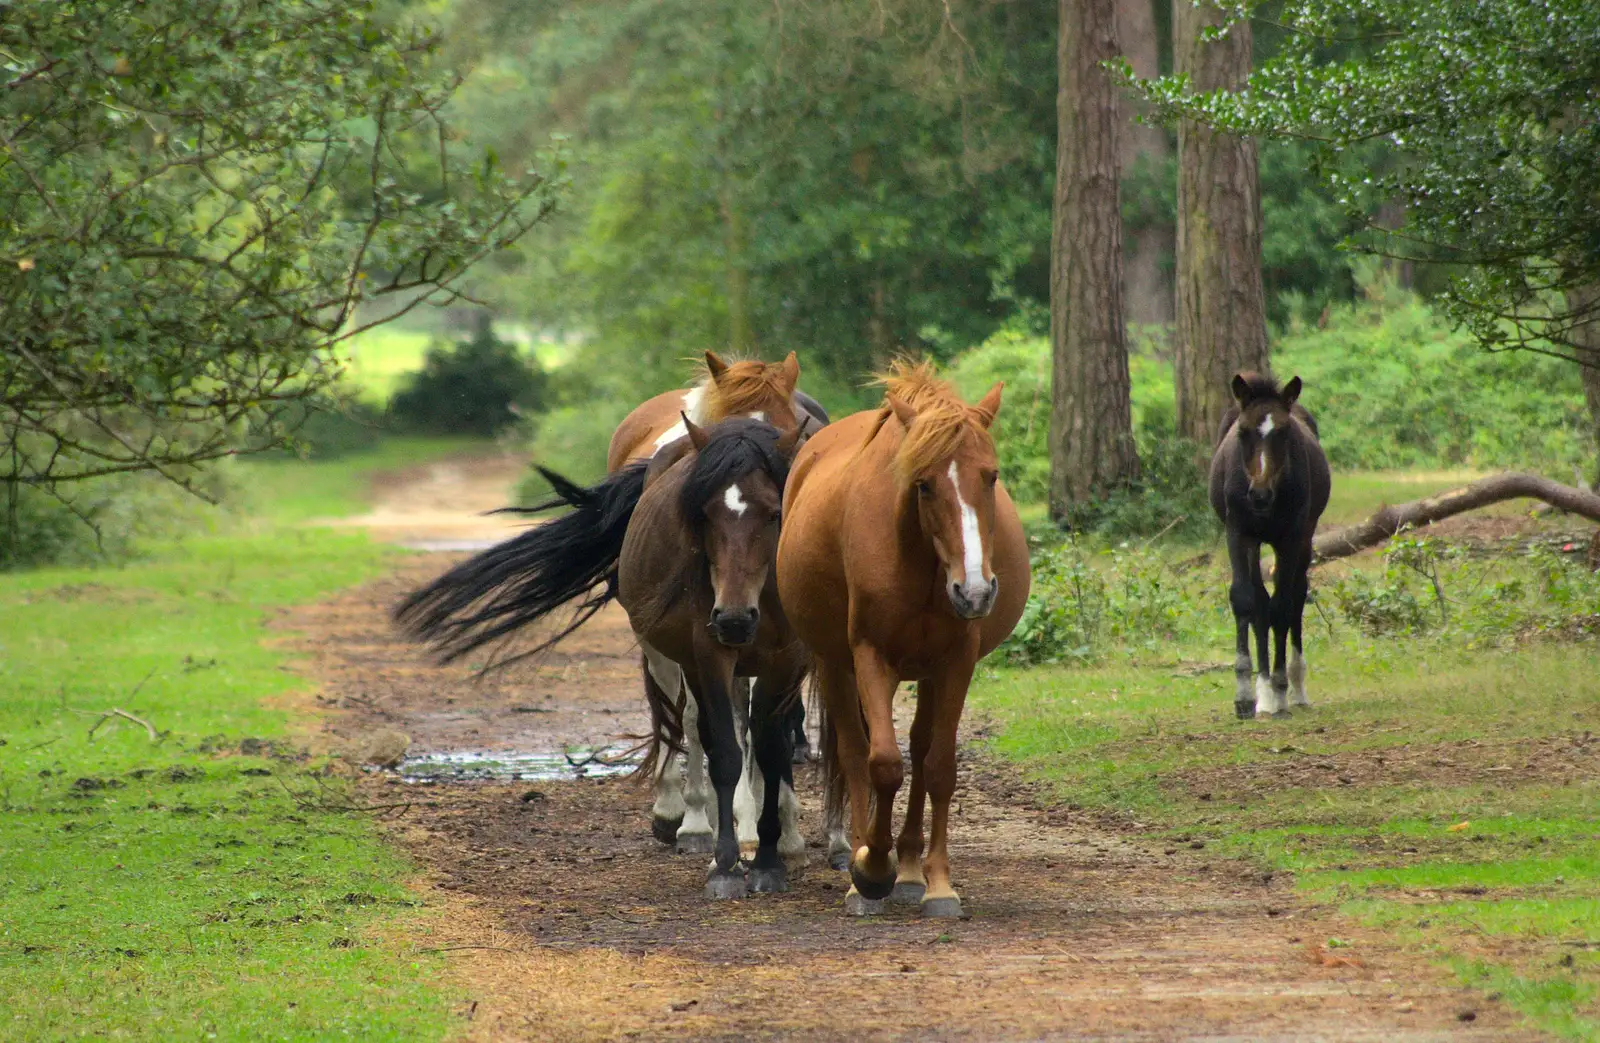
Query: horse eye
column 924, row 487
column 992, row 477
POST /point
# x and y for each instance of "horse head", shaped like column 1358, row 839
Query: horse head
column 1266, row 422
column 733, row 498
column 755, row 389
column 948, row 467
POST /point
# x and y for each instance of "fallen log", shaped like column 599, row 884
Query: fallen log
column 1496, row 488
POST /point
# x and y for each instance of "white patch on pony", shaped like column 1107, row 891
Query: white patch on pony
column 694, row 407
column 791, row 842
column 1266, row 698
column 1263, row 469
column 1266, row 426
column 1297, row 678
column 733, row 499
column 971, row 538
column 757, row 415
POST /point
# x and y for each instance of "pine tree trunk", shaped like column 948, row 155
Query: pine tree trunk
column 1091, row 419
column 1147, row 291
column 1584, row 302
column 1221, row 310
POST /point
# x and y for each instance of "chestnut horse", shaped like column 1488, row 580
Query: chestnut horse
column 1269, row 484
column 901, row 558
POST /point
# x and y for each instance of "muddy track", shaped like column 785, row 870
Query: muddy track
column 563, row 919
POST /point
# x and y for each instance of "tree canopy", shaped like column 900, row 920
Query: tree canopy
column 1491, row 115
column 198, row 197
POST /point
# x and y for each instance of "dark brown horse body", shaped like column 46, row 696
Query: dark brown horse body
column 1269, row 484
column 696, row 578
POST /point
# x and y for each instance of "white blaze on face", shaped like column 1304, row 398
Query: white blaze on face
column 971, row 538
column 1266, row 426
column 1261, row 469
column 733, row 499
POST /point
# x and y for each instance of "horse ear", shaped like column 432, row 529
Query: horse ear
column 1241, row 389
column 902, row 411
column 789, row 440
column 715, row 366
column 988, row 406
column 697, row 434
column 1291, row 391
column 789, row 368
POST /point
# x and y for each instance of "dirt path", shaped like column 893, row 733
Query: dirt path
column 564, row 920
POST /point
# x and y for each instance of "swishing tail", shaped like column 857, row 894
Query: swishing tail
column 830, row 771
column 666, row 724
column 526, row 578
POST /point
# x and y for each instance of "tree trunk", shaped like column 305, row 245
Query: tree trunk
column 1510, row 486
column 1221, row 311
column 1584, row 302
column 1091, row 418
column 1147, row 292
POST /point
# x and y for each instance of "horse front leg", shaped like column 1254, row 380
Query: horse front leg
column 697, row 835
column 1282, row 611
column 771, row 745
column 1244, row 555
column 948, row 693
column 909, row 883
column 1297, row 612
column 874, row 866
column 713, row 689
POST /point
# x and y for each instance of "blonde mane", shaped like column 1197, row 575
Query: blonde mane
column 943, row 422
column 746, row 386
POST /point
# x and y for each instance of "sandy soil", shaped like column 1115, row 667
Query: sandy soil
column 563, row 919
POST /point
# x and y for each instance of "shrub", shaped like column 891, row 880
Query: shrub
column 331, row 429
column 102, row 520
column 477, row 387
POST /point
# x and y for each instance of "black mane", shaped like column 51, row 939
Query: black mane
column 736, row 447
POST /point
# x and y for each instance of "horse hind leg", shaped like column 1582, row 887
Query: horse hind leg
column 749, row 794
column 910, row 885
column 1297, row 659
column 697, row 835
column 666, row 815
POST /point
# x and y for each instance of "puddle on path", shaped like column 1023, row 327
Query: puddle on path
column 452, row 546
column 514, row 765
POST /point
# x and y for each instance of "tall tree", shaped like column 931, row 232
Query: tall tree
column 1146, row 277
column 1091, row 418
column 197, row 199
column 1222, row 326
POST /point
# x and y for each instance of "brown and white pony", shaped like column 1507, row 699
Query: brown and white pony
column 901, row 558
column 1269, row 484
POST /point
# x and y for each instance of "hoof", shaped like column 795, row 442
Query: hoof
column 907, row 892
column 839, row 860
column 1246, row 711
column 726, row 884
column 947, row 908
column 870, row 888
column 801, row 754
column 769, row 881
column 696, row 843
column 665, row 829
column 855, row 905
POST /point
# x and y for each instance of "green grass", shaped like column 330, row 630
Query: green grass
column 290, row 491
column 1142, row 735
column 381, row 358
column 173, row 889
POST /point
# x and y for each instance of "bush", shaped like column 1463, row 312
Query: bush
column 478, row 387
column 331, row 429
column 572, row 441
column 100, row 520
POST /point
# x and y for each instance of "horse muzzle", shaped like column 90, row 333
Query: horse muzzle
column 973, row 600
column 735, row 627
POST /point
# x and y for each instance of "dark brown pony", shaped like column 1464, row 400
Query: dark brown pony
column 1269, row 484
column 901, row 558
column 685, row 541
column 695, row 576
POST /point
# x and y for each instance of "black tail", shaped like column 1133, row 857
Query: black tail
column 526, row 578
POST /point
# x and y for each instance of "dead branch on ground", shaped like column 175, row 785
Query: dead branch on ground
column 1497, row 488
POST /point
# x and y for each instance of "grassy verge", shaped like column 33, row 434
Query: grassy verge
column 288, row 491
column 1444, row 787
column 173, row 889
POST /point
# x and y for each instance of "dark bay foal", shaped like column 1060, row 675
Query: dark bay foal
column 1269, row 484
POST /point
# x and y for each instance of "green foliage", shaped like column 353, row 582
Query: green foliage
column 106, row 521
column 173, row 889
column 197, row 199
column 1430, row 586
column 1083, row 603
column 572, row 441
column 477, row 387
column 1491, row 113
column 1392, row 386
